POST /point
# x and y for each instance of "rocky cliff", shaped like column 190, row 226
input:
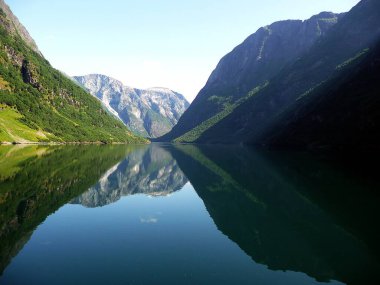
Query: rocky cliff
column 147, row 112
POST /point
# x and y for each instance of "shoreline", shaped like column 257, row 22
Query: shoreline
column 70, row 143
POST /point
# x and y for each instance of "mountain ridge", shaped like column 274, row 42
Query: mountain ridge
column 342, row 46
column 148, row 112
column 18, row 27
column 251, row 64
column 244, row 120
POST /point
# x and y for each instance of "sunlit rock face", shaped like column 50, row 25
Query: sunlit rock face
column 148, row 112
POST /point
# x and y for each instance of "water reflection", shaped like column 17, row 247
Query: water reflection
column 148, row 170
column 288, row 211
column 36, row 181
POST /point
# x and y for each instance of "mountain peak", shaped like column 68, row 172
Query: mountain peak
column 160, row 89
column 149, row 112
column 325, row 14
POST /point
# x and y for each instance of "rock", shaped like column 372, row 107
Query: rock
column 147, row 112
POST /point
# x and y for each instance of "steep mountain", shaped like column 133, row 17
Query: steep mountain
column 148, row 170
column 15, row 27
column 341, row 113
column 345, row 44
column 147, row 112
column 38, row 103
column 251, row 64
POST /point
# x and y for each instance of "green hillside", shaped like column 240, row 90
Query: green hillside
column 39, row 104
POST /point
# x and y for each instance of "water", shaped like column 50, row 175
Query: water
column 164, row 214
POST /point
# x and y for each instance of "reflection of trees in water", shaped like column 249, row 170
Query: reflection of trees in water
column 279, row 208
column 42, row 180
column 287, row 211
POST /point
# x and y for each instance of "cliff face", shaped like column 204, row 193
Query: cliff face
column 252, row 63
column 147, row 112
column 335, row 55
column 254, row 106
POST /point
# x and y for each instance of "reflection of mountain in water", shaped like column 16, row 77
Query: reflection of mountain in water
column 38, row 180
column 149, row 170
column 288, row 212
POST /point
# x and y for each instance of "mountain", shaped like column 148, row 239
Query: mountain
column 40, row 104
column 15, row 27
column 148, row 170
column 341, row 113
column 147, row 112
column 345, row 44
column 251, row 64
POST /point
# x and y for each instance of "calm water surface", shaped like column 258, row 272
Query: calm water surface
column 164, row 214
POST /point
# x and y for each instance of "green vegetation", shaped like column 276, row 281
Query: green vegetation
column 310, row 91
column 13, row 130
column 39, row 180
column 195, row 133
column 155, row 122
column 11, row 158
column 47, row 105
column 352, row 59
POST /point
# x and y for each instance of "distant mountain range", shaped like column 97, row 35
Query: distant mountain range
column 269, row 74
column 40, row 104
column 147, row 112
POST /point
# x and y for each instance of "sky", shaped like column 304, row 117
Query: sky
column 153, row 43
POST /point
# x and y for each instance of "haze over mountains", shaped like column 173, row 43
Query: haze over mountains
column 147, row 112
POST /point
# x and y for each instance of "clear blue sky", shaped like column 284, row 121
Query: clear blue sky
column 153, row 43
